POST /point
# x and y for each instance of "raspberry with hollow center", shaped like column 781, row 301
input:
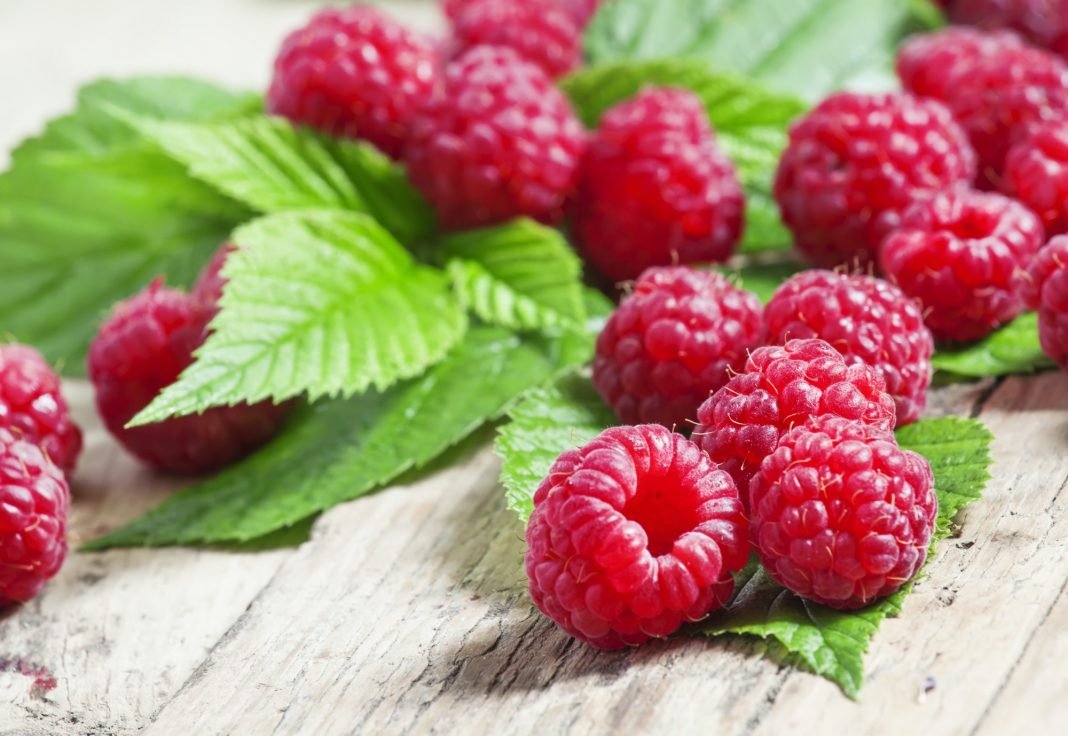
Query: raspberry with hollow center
column 964, row 256
column 353, row 73
column 782, row 386
column 655, row 188
column 1047, row 291
column 855, row 162
column 633, row 535
column 32, row 405
column 995, row 85
column 840, row 514
column 672, row 342
column 867, row 320
column 540, row 31
column 34, row 503
column 142, row 348
column 498, row 141
column 1036, row 173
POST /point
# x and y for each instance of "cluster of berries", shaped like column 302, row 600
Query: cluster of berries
column 487, row 136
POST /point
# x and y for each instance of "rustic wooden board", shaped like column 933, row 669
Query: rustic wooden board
column 407, row 611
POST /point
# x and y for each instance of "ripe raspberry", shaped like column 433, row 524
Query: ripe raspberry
column 540, row 31
column 34, row 502
column 855, row 162
column 672, row 342
column 32, row 406
column 1048, row 292
column 1036, row 173
column 209, row 285
column 964, row 256
column 633, row 535
column 142, row 348
column 1042, row 22
column 352, row 72
column 581, row 11
column 995, row 85
column 867, row 320
column 841, row 514
column 655, row 189
column 499, row 141
column 782, row 387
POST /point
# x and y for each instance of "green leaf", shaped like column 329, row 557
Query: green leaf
column 762, row 278
column 804, row 47
column 1012, row 349
column 342, row 449
column 544, row 424
column 521, row 275
column 271, row 166
column 832, row 643
column 750, row 124
column 318, row 302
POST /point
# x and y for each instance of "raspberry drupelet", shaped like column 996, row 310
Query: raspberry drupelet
column 633, row 535
column 840, row 514
column 672, row 341
column 32, row 405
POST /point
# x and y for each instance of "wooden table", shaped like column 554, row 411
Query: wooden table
column 407, row 610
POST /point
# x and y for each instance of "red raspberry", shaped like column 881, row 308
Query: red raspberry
column 1043, row 22
column 1036, row 173
column 783, row 386
column 1048, row 292
column 964, row 256
column 855, row 162
column 841, row 514
column 655, row 189
column 34, row 502
column 142, row 348
column 867, row 320
column 673, row 341
column 581, row 11
column 633, row 535
column 32, row 406
column 499, row 141
column 995, row 85
column 354, row 73
column 540, row 31
column 209, row 285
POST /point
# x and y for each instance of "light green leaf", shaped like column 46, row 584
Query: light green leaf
column 804, row 47
column 346, row 448
column 521, row 275
column 1013, row 348
column 271, row 166
column 318, row 302
column 750, row 124
column 543, row 425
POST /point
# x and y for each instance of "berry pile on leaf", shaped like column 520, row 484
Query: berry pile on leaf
column 309, row 293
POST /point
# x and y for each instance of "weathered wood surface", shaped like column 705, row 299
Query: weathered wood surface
column 406, row 611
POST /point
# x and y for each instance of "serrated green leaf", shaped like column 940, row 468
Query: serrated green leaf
column 804, row 47
column 750, row 124
column 343, row 449
column 762, row 278
column 520, row 275
column 545, row 423
column 1013, row 348
column 325, row 303
column 271, row 166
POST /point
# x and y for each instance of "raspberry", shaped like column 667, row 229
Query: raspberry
column 352, row 72
column 142, row 348
column 1048, row 292
column 673, row 341
column 209, row 285
column 34, row 502
column 855, row 162
column 540, row 31
column 782, row 386
column 995, row 85
column 655, row 189
column 964, row 256
column 499, row 141
column 841, row 514
column 1042, row 22
column 581, row 11
column 633, row 535
column 1036, row 173
column 32, row 406
column 867, row 320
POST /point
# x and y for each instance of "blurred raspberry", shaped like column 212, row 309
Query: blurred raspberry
column 1036, row 173
column 540, row 31
column 1042, row 22
column 1048, row 292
